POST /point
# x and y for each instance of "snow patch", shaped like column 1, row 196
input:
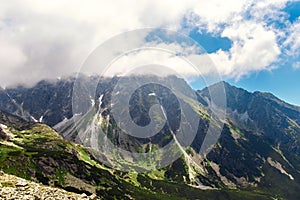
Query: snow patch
column 152, row 94
column 41, row 119
column 100, row 100
column 92, row 101
column 3, row 126
column 35, row 120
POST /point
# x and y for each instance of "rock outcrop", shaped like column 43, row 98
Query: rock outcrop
column 13, row 187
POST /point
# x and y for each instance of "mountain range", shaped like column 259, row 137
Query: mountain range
column 45, row 138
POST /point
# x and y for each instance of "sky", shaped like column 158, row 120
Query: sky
column 253, row 44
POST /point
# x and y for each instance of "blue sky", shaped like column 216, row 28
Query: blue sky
column 283, row 80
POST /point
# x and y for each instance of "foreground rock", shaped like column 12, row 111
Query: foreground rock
column 12, row 187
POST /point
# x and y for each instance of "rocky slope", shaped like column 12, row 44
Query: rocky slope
column 35, row 152
column 13, row 187
column 258, row 149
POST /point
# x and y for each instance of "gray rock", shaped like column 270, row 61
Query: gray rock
column 93, row 197
column 84, row 195
column 21, row 183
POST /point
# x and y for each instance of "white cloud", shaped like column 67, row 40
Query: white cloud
column 164, row 55
column 293, row 39
column 250, row 25
column 216, row 12
column 54, row 37
column 262, row 9
column 254, row 48
column 127, row 64
column 292, row 45
column 47, row 39
column 296, row 65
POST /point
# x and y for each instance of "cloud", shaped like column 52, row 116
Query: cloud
column 293, row 39
column 296, row 65
column 252, row 28
column 254, row 48
column 216, row 12
column 53, row 38
column 172, row 57
column 47, row 39
column 292, row 45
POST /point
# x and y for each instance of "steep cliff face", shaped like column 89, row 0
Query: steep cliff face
column 258, row 149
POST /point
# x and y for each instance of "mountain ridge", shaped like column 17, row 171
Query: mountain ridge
column 258, row 146
column 47, row 159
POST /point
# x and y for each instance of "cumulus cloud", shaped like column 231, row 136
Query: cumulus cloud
column 47, row 39
column 254, row 48
column 252, row 28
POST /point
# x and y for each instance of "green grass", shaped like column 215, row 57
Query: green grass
column 234, row 129
column 8, row 184
column 157, row 174
column 41, row 142
column 59, row 175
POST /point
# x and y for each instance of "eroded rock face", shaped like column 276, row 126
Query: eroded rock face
column 258, row 126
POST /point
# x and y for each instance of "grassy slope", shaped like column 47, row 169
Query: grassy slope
column 40, row 154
